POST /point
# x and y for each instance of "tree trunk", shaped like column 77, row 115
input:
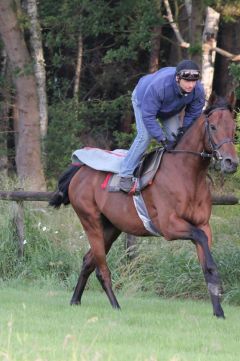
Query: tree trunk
column 39, row 64
column 154, row 62
column 209, row 43
column 78, row 67
column 4, row 110
column 196, row 30
column 28, row 153
column 228, row 39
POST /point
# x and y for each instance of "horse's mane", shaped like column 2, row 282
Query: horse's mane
column 181, row 132
column 219, row 103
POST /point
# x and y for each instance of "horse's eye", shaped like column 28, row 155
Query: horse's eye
column 212, row 127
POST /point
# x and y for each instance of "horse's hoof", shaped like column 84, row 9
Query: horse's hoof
column 75, row 303
column 118, row 308
column 220, row 315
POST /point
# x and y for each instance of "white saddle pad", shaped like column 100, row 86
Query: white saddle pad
column 100, row 159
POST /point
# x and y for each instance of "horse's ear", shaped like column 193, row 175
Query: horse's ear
column 212, row 99
column 232, row 99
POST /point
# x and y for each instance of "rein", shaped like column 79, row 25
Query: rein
column 214, row 147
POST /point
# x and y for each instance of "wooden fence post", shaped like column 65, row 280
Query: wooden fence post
column 18, row 225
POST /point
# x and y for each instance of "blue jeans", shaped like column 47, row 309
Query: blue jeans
column 143, row 138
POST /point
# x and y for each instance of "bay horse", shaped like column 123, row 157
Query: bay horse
column 178, row 200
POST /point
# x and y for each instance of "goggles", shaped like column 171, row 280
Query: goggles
column 189, row 74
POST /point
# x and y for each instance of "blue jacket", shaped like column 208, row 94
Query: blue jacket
column 159, row 95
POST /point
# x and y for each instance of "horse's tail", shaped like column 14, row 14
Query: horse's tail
column 61, row 195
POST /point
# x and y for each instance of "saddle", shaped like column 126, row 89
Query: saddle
column 144, row 173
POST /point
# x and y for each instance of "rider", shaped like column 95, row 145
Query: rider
column 162, row 94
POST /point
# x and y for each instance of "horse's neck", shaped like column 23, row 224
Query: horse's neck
column 194, row 139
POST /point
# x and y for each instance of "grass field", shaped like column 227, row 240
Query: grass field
column 39, row 325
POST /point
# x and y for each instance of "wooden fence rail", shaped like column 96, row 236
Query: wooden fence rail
column 26, row 196
column 20, row 196
column 228, row 199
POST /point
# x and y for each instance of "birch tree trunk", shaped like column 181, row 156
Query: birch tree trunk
column 39, row 64
column 28, row 153
column 208, row 54
column 78, row 66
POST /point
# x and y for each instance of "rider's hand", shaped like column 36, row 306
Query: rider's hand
column 181, row 131
column 164, row 142
column 169, row 144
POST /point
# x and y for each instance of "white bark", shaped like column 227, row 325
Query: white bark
column 209, row 49
column 78, row 66
column 39, row 64
column 188, row 6
column 174, row 26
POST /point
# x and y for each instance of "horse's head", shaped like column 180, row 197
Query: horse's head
column 220, row 129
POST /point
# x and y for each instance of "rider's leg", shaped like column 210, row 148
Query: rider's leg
column 136, row 150
column 170, row 126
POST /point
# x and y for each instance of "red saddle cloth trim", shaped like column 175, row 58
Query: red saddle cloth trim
column 134, row 188
column 77, row 164
column 106, row 180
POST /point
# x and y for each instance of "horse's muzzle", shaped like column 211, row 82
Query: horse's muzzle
column 229, row 164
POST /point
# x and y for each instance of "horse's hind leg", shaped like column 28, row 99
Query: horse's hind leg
column 110, row 235
column 88, row 267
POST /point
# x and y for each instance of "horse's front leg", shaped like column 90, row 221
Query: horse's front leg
column 180, row 229
column 210, row 272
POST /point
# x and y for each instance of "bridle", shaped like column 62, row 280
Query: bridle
column 214, row 153
column 215, row 146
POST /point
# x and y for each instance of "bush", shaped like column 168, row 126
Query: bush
column 51, row 250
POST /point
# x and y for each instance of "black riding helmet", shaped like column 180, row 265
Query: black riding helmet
column 188, row 70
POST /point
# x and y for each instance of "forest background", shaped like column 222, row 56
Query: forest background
column 68, row 68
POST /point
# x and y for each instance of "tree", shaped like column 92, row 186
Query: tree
column 154, row 61
column 39, row 63
column 208, row 46
column 28, row 153
column 4, row 109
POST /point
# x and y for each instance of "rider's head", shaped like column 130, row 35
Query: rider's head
column 187, row 74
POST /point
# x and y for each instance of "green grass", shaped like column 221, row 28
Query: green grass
column 56, row 243
column 225, row 224
column 39, row 324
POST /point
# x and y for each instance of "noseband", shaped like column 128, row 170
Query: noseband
column 215, row 146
